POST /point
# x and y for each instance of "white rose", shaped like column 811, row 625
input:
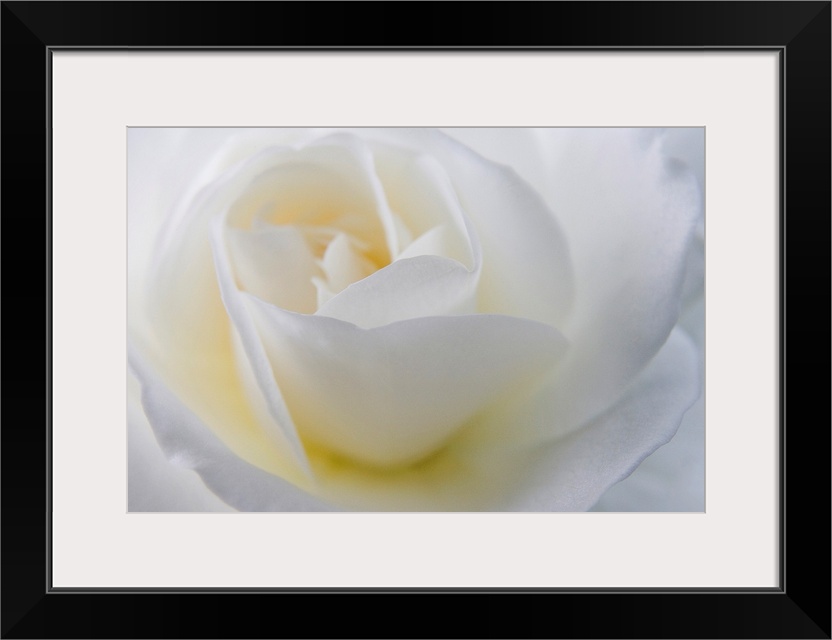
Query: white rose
column 390, row 320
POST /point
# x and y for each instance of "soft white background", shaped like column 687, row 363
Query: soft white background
column 96, row 543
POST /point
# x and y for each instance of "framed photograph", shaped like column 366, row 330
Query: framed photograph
column 329, row 314
column 368, row 328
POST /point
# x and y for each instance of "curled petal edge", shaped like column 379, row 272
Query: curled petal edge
column 573, row 472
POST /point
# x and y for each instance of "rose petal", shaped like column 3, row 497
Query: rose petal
column 421, row 194
column 251, row 357
column 394, row 234
column 417, row 284
column 407, row 289
column 629, row 215
column 344, row 264
column 276, row 264
column 175, row 314
column 190, row 324
column 153, row 483
column 433, row 242
column 510, row 220
column 168, row 167
column 688, row 145
column 321, row 185
column 670, row 479
column 394, row 394
column 189, row 444
column 515, row 148
column 573, row 472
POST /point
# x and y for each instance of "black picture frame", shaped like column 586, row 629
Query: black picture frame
column 798, row 608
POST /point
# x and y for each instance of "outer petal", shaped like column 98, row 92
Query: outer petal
column 672, row 478
column 189, row 444
column 630, row 263
column 628, row 215
column 153, row 483
column 571, row 474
